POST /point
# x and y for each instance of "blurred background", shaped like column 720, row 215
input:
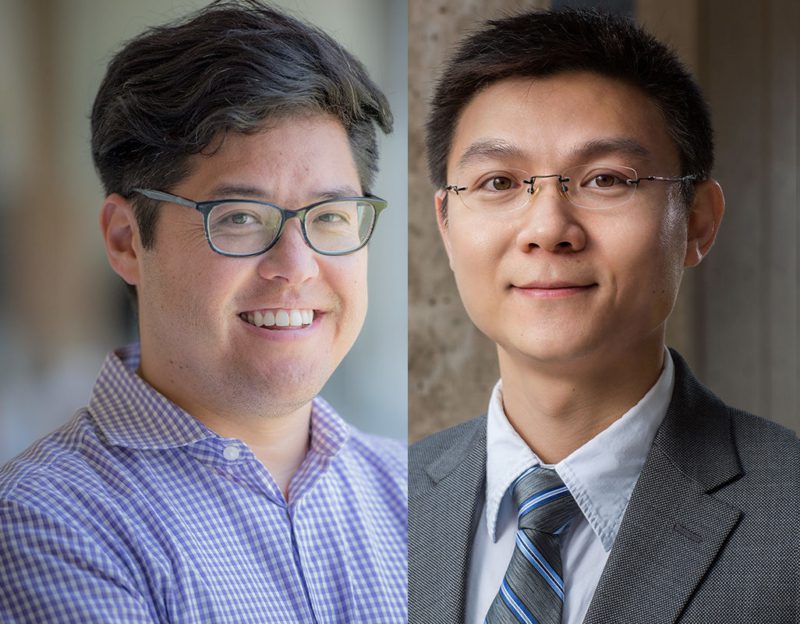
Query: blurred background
column 737, row 318
column 61, row 307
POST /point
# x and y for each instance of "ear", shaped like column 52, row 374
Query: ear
column 440, row 201
column 121, row 237
column 705, row 216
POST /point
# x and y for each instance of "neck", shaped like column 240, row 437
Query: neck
column 557, row 408
column 279, row 442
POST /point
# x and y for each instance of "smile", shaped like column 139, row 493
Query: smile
column 279, row 318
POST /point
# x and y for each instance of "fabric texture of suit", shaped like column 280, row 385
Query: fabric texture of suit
column 710, row 535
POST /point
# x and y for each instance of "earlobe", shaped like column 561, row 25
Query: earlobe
column 440, row 201
column 121, row 237
column 705, row 217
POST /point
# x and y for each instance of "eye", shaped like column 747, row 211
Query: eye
column 498, row 183
column 332, row 218
column 241, row 218
column 235, row 217
column 605, row 180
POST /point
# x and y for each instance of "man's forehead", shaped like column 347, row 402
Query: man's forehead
column 263, row 192
column 494, row 149
column 577, row 114
column 303, row 155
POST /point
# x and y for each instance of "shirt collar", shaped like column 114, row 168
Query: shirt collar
column 131, row 413
column 329, row 433
column 601, row 474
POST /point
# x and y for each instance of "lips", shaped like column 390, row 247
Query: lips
column 553, row 285
column 553, row 289
column 279, row 317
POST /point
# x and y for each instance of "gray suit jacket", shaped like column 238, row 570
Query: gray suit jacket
column 710, row 534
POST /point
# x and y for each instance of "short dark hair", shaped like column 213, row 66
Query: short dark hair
column 174, row 89
column 546, row 43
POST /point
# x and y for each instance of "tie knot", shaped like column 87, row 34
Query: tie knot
column 544, row 503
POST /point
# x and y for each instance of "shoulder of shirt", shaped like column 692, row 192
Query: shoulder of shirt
column 386, row 454
column 58, row 467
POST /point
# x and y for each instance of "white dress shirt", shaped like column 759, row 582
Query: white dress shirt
column 601, row 476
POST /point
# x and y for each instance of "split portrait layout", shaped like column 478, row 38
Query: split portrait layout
column 540, row 258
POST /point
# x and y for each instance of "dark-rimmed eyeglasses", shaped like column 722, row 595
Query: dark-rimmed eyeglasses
column 594, row 186
column 246, row 227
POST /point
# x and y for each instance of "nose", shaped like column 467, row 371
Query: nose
column 549, row 221
column 290, row 259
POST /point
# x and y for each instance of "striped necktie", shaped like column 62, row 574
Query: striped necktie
column 533, row 590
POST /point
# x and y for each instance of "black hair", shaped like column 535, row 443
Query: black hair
column 172, row 91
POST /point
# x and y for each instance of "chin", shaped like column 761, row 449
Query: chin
column 550, row 349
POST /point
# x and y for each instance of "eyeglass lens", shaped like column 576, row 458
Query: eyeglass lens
column 248, row 228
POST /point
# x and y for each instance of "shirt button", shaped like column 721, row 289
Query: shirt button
column 231, row 453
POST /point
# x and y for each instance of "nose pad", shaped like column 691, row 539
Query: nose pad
column 549, row 223
column 535, row 184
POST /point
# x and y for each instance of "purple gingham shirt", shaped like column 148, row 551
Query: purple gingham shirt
column 136, row 512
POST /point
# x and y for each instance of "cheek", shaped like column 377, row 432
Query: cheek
column 347, row 278
column 672, row 244
column 475, row 254
column 188, row 292
column 647, row 260
column 477, row 261
column 360, row 297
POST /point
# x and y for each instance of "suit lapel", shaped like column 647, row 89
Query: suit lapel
column 442, row 526
column 674, row 527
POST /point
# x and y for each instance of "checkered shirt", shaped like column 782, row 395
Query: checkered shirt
column 136, row 512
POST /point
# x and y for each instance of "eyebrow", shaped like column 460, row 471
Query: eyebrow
column 488, row 149
column 236, row 191
column 614, row 145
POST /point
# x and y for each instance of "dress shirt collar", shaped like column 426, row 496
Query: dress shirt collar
column 601, row 474
column 131, row 413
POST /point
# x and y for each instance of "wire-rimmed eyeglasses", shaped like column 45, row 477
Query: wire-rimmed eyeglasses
column 594, row 186
column 246, row 227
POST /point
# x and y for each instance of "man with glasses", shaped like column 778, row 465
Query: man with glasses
column 572, row 154
column 206, row 481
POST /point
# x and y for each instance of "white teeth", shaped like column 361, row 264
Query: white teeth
column 294, row 317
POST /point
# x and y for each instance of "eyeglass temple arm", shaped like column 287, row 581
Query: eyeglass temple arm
column 167, row 197
column 692, row 178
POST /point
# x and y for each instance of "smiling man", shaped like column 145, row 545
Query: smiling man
column 572, row 154
column 206, row 481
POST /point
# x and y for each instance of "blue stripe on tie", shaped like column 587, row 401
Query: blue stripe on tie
column 541, row 564
column 515, row 605
column 540, row 498
column 523, row 475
